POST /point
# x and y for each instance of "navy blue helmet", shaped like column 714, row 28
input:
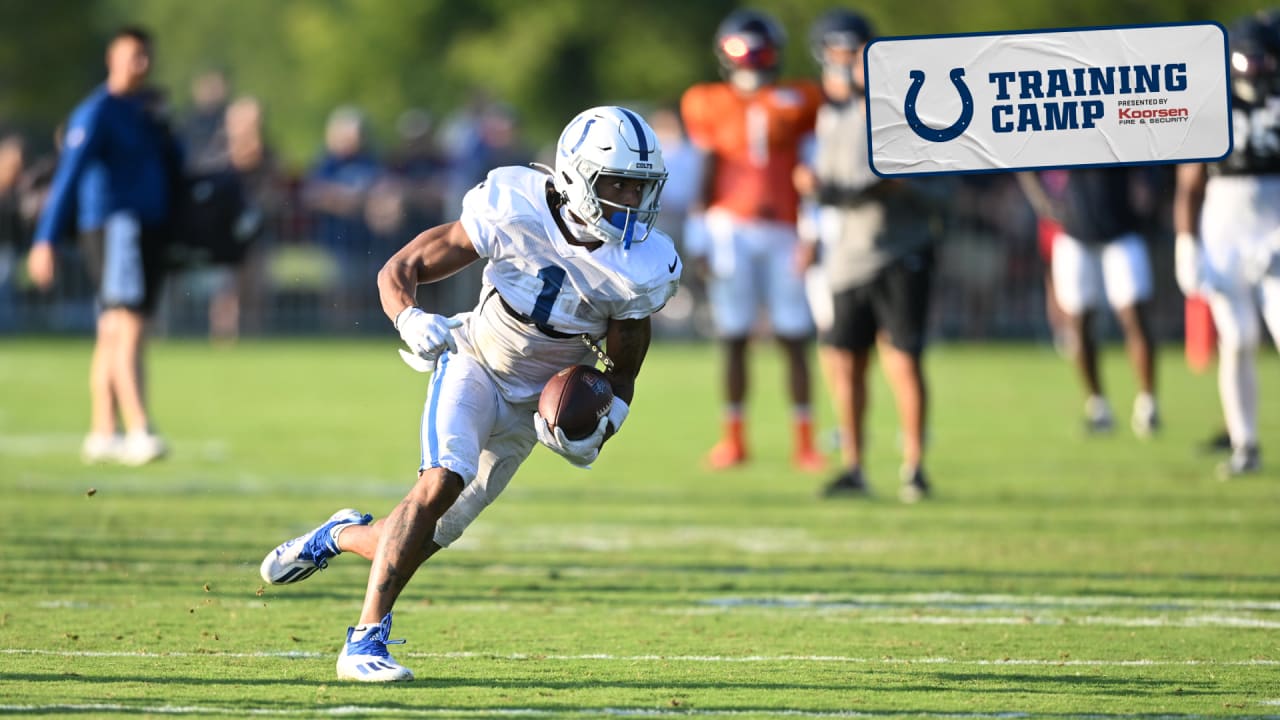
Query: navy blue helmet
column 1255, row 57
column 839, row 28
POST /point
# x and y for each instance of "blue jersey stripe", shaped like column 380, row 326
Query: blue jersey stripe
column 639, row 128
column 430, row 433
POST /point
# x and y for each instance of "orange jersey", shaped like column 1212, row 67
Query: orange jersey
column 755, row 141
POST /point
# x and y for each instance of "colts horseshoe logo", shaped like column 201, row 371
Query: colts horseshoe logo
column 947, row 133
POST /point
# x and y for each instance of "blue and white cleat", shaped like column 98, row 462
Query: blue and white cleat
column 365, row 657
column 300, row 558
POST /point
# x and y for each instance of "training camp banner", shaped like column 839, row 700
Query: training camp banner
column 1047, row 99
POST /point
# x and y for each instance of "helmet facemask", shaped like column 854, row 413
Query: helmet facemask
column 610, row 142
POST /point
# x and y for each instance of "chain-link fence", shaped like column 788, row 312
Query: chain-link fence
column 990, row 282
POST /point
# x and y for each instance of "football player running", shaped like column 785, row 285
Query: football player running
column 572, row 259
column 750, row 128
column 1227, row 218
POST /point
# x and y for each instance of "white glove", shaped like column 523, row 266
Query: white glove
column 580, row 453
column 1189, row 266
column 427, row 335
column 618, row 412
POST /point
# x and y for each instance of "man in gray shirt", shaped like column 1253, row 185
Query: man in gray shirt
column 875, row 237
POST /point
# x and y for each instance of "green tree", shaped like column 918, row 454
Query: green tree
column 546, row 58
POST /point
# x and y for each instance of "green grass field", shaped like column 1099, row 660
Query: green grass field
column 1053, row 575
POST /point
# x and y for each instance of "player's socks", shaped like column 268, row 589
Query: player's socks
column 806, row 456
column 364, row 657
column 732, row 448
column 1238, row 388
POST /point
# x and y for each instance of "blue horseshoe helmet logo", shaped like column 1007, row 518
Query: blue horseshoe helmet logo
column 947, row 133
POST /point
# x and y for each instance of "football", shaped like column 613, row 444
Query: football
column 575, row 399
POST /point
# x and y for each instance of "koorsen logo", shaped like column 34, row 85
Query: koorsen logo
column 1126, row 113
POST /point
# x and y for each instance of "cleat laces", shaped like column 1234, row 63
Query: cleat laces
column 322, row 546
column 375, row 642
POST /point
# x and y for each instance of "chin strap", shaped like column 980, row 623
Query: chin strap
column 625, row 221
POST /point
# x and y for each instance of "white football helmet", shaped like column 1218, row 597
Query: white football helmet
column 605, row 141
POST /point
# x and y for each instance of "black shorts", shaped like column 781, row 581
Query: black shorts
column 127, row 266
column 896, row 301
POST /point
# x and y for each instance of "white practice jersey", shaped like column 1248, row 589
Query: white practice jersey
column 557, row 288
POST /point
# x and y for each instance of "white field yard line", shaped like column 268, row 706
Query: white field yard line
column 991, row 601
column 305, row 655
column 40, row 444
column 1205, row 621
column 869, row 616
column 358, row 710
column 872, row 616
column 948, row 601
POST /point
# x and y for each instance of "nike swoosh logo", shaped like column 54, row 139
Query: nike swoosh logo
column 672, row 266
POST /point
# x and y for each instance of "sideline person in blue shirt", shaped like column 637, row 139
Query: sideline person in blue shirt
column 115, row 132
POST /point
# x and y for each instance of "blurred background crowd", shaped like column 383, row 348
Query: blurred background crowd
column 322, row 136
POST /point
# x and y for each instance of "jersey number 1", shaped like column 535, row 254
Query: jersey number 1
column 552, row 278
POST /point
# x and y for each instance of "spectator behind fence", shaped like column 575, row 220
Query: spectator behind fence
column 484, row 135
column 336, row 191
column 236, row 304
column 217, row 225
column 405, row 197
column 411, row 196
column 12, row 232
column 420, row 170
column 877, row 236
column 204, row 133
column 117, row 128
